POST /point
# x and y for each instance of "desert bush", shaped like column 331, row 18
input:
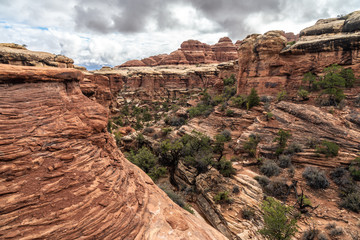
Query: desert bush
column 177, row 199
column 239, row 101
column 278, row 224
column 315, row 178
column 281, row 95
column 230, row 113
column 236, row 189
column 175, row 121
column 357, row 101
column 218, row 99
column 270, row 168
column 225, row 167
column 310, row 233
column 247, row 213
column 336, row 232
column 228, row 92
column 262, row 180
column 265, row 99
column 303, row 94
column 340, row 177
column 312, row 142
column 200, row 110
column 222, row 197
column 284, row 161
column 277, row 188
column 351, row 201
column 291, row 171
column 268, row 115
column 148, row 130
column 166, row 131
column 251, row 144
column 322, row 236
column 354, row 169
column 230, row 80
column 330, row 149
column 293, row 148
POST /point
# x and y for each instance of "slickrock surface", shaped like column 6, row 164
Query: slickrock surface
column 61, row 174
column 191, row 52
column 15, row 54
column 265, row 62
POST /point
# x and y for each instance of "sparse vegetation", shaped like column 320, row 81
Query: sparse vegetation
column 278, row 223
column 303, row 94
column 282, row 138
column 251, row 144
column 277, row 188
column 270, row 168
column 247, row 213
column 330, row 149
column 315, row 178
column 355, row 169
column 351, row 201
column 177, row 199
column 284, row 161
column 262, row 180
column 253, row 99
column 222, row 197
column 281, row 95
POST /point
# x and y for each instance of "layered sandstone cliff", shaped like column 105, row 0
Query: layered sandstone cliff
column 191, row 52
column 62, row 176
column 269, row 64
column 18, row 55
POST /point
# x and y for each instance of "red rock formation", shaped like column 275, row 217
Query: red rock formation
column 62, row 175
column 266, row 63
column 191, row 52
column 17, row 55
column 290, row 36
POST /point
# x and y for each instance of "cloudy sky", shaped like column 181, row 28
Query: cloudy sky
column 96, row 33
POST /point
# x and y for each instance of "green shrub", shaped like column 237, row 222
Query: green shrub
column 322, row 236
column 310, row 234
column 230, row 113
column 268, row 116
column 354, row 169
column 282, row 138
column 239, row 101
column 251, row 144
column 230, row 80
column 278, row 223
column 222, row 197
column 118, row 137
column 270, row 168
column 315, row 178
column 175, row 121
column 310, row 78
column 228, row 92
column 281, row 95
column 303, row 94
column 200, row 110
column 330, row 149
column 253, row 99
column 262, row 180
column 225, row 167
column 349, row 77
column 166, row 131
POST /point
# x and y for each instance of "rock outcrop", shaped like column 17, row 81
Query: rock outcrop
column 18, row 55
column 62, row 176
column 269, row 64
column 191, row 52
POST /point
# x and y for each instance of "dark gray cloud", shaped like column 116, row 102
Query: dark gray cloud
column 130, row 16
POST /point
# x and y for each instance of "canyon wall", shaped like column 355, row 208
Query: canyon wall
column 267, row 63
column 62, row 176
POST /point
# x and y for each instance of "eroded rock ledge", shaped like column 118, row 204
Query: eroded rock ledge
column 62, row 176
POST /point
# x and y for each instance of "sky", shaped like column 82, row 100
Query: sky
column 98, row 33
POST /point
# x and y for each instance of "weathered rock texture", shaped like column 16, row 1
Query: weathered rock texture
column 62, row 176
column 265, row 62
column 17, row 55
column 148, row 83
column 191, row 52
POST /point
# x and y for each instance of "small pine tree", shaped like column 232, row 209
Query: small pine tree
column 253, row 99
column 282, row 138
column 278, row 225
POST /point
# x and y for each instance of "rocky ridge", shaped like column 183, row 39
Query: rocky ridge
column 191, row 52
column 62, row 176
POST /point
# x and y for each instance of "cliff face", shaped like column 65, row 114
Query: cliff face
column 191, row 52
column 265, row 62
column 62, row 175
column 18, row 55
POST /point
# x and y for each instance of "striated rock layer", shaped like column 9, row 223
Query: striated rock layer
column 191, row 52
column 267, row 63
column 62, row 176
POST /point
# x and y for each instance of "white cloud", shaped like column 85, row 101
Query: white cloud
column 110, row 32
